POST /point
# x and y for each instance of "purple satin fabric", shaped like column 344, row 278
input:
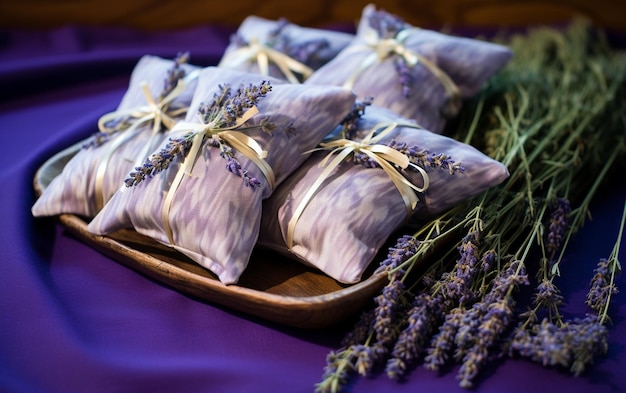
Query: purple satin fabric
column 73, row 320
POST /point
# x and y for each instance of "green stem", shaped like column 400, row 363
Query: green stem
column 615, row 266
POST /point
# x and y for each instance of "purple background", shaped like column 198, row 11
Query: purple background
column 72, row 320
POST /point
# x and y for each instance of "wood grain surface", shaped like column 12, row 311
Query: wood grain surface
column 176, row 14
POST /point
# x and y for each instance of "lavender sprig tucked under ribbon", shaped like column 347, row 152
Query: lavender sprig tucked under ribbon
column 160, row 111
column 219, row 123
column 385, row 157
column 278, row 49
column 386, row 37
column 226, row 112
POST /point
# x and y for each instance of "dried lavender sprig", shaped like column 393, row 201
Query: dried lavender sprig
column 226, row 108
column 405, row 77
column 388, row 305
column 426, row 159
column 339, row 367
column 307, row 52
column 278, row 39
column 500, row 304
column 386, row 25
column 458, row 284
column 99, row 138
column 423, row 319
column 442, row 344
column 278, row 29
column 602, row 285
column 176, row 147
column 572, row 345
column 342, row 364
column 417, row 156
column 548, row 295
column 350, row 123
column 378, row 323
column 466, row 333
column 559, row 222
column 233, row 165
column 174, row 75
column 430, row 306
column 303, row 52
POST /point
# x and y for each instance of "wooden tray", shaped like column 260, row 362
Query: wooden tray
column 273, row 287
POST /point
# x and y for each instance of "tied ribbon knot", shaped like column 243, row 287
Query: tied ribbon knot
column 238, row 140
column 157, row 110
column 386, row 47
column 263, row 55
column 388, row 158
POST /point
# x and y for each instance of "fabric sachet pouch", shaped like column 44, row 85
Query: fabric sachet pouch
column 338, row 209
column 281, row 49
column 418, row 73
column 200, row 192
column 158, row 96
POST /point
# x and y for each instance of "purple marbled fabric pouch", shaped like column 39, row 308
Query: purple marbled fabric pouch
column 290, row 51
column 417, row 73
column 209, row 207
column 92, row 176
column 356, row 208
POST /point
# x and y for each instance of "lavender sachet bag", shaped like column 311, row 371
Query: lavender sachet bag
column 200, row 192
column 419, row 74
column 281, row 49
column 158, row 96
column 337, row 210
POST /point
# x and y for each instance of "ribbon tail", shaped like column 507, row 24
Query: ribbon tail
column 251, row 150
column 185, row 167
column 406, row 189
column 148, row 146
column 263, row 62
column 287, row 65
column 291, row 226
column 104, row 163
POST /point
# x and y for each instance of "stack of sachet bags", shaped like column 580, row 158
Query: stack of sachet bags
column 316, row 143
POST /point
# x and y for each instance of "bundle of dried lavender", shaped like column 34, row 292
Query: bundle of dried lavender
column 555, row 116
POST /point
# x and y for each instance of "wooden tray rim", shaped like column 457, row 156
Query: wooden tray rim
column 298, row 311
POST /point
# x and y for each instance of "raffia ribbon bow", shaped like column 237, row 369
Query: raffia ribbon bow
column 157, row 111
column 386, row 157
column 386, row 47
column 263, row 55
column 238, row 140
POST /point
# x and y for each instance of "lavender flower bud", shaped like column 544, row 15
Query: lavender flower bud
column 159, row 161
column 442, row 344
column 548, row 295
column 388, row 304
column 600, row 287
column 558, row 225
column 424, row 316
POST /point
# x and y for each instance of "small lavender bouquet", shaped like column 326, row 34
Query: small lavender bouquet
column 419, row 74
column 281, row 49
column 200, row 191
column 341, row 205
column 157, row 97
